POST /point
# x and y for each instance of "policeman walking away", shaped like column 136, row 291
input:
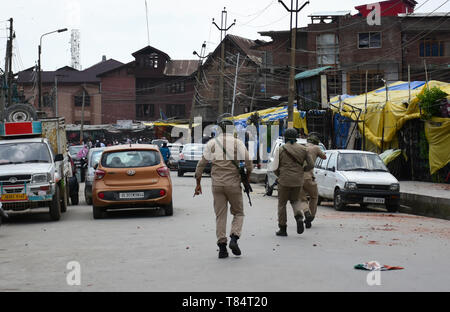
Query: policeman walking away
column 290, row 159
column 309, row 184
column 225, row 152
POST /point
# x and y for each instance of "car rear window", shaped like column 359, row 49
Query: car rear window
column 130, row 159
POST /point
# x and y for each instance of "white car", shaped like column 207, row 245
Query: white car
column 356, row 177
column 271, row 178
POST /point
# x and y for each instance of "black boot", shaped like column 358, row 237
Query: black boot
column 300, row 227
column 282, row 231
column 308, row 219
column 223, row 252
column 234, row 245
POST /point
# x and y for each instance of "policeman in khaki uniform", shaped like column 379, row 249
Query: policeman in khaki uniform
column 289, row 167
column 309, row 184
column 226, row 184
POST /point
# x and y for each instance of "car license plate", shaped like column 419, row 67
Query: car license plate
column 136, row 195
column 373, row 200
column 12, row 197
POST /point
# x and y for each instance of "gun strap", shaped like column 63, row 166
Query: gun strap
column 226, row 153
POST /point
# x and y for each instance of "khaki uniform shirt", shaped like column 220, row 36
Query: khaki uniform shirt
column 290, row 171
column 223, row 171
column 315, row 152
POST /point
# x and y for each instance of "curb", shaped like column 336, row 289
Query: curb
column 423, row 205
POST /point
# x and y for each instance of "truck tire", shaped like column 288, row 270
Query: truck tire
column 19, row 113
column 55, row 206
column 64, row 196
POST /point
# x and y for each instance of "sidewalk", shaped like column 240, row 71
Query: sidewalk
column 418, row 198
column 425, row 199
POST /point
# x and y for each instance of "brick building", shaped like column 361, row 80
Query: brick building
column 65, row 88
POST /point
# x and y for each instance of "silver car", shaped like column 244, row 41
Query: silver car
column 93, row 159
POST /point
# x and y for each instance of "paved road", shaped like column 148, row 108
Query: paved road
column 146, row 251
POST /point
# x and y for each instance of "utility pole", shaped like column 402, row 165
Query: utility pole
column 82, row 114
column 293, row 47
column 196, row 85
column 10, row 57
column 223, row 33
column 235, row 85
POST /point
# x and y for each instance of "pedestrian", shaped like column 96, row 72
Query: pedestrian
column 289, row 166
column 165, row 152
column 225, row 153
column 309, row 183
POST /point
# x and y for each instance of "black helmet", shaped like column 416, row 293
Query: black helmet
column 291, row 133
column 313, row 139
column 224, row 123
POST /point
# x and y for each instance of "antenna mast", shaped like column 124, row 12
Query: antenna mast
column 148, row 29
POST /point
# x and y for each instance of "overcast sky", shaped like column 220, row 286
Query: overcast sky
column 117, row 28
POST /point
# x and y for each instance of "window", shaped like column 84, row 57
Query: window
column 175, row 110
column 332, row 162
column 130, row 159
column 357, row 82
column 369, row 40
column 145, row 110
column 327, row 49
column 150, row 60
column 78, row 99
column 176, row 87
column 144, row 87
column 47, row 100
column 431, row 48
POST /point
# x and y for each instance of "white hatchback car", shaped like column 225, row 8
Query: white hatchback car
column 356, row 177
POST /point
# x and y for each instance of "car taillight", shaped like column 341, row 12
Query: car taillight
column 162, row 193
column 99, row 174
column 101, row 195
column 163, row 171
column 181, row 156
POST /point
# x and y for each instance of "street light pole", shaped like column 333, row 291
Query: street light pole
column 39, row 63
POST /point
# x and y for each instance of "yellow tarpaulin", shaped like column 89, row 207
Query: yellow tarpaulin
column 384, row 118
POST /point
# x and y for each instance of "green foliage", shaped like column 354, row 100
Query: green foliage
column 429, row 102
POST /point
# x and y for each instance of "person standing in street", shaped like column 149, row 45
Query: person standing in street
column 289, row 167
column 165, row 151
column 309, row 184
column 225, row 152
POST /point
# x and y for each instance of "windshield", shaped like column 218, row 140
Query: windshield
column 73, row 150
column 130, row 159
column 95, row 157
column 360, row 162
column 24, row 153
column 193, row 148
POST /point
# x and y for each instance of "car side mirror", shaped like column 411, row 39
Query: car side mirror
column 96, row 166
column 333, row 169
column 59, row 157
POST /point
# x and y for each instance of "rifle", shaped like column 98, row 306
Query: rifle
column 243, row 174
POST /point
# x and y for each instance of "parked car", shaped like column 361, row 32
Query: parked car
column 356, row 177
column 271, row 178
column 92, row 159
column 74, row 185
column 189, row 157
column 131, row 176
column 175, row 150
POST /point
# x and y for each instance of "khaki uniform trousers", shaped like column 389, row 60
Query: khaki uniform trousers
column 309, row 188
column 222, row 196
column 291, row 194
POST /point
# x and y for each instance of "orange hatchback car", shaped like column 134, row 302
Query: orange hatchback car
column 131, row 176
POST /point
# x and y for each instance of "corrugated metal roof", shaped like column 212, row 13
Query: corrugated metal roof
column 311, row 73
column 180, row 67
column 330, row 13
